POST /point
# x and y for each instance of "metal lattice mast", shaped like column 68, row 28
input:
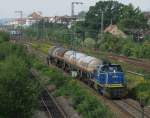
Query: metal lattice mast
column 73, row 43
column 21, row 22
column 73, row 6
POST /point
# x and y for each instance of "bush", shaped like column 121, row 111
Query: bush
column 142, row 91
column 18, row 91
column 89, row 42
column 4, row 37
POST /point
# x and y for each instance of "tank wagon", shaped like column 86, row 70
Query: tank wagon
column 106, row 78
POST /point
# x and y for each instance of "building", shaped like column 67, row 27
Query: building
column 37, row 16
column 33, row 18
column 114, row 30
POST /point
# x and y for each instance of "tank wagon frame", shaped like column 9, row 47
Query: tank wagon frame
column 88, row 69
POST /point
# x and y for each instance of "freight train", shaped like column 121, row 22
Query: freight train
column 106, row 78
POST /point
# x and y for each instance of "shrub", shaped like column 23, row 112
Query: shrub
column 4, row 37
column 18, row 92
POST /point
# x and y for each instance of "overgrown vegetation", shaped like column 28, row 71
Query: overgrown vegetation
column 18, row 91
column 142, row 92
column 83, row 100
column 126, row 47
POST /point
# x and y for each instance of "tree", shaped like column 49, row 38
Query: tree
column 4, row 36
column 82, row 15
column 18, row 92
column 132, row 19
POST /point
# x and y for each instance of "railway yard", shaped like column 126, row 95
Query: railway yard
column 121, row 108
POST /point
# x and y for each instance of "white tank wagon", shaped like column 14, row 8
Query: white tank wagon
column 56, row 56
column 71, row 59
column 82, row 61
column 89, row 63
column 59, row 53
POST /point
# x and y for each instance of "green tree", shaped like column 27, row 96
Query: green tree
column 82, row 15
column 18, row 92
column 4, row 37
column 132, row 19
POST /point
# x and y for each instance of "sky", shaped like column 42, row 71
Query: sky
column 55, row 7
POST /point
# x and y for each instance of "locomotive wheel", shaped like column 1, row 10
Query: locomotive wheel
column 96, row 87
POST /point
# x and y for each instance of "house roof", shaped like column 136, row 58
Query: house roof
column 35, row 16
column 114, row 30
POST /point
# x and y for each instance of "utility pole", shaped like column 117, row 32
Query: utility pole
column 102, row 25
column 21, row 23
column 73, row 37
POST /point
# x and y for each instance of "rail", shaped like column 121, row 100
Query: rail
column 131, row 109
column 49, row 102
column 135, row 73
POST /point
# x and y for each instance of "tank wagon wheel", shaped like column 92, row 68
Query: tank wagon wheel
column 63, row 65
column 80, row 75
column 92, row 84
column 52, row 61
column 96, row 88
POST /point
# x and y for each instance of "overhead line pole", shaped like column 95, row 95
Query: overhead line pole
column 21, row 22
column 102, row 25
column 73, row 45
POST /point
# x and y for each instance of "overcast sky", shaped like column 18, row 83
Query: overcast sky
column 54, row 7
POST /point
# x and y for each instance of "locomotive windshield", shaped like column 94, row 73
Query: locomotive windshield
column 111, row 68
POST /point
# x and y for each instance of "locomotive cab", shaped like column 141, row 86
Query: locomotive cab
column 111, row 78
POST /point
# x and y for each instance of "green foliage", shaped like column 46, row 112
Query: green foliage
column 52, row 31
column 83, row 100
column 18, row 91
column 132, row 18
column 142, row 91
column 89, row 43
column 82, row 15
column 4, row 37
column 126, row 47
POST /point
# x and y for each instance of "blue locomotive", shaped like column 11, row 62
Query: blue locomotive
column 110, row 79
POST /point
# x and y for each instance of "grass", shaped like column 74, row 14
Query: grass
column 41, row 46
column 83, row 100
column 133, row 80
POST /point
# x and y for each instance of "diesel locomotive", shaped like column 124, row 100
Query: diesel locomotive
column 106, row 78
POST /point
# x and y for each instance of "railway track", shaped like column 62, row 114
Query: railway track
column 130, row 107
column 136, row 62
column 47, row 101
column 50, row 106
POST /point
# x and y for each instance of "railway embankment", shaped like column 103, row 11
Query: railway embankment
column 83, row 99
column 137, row 82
